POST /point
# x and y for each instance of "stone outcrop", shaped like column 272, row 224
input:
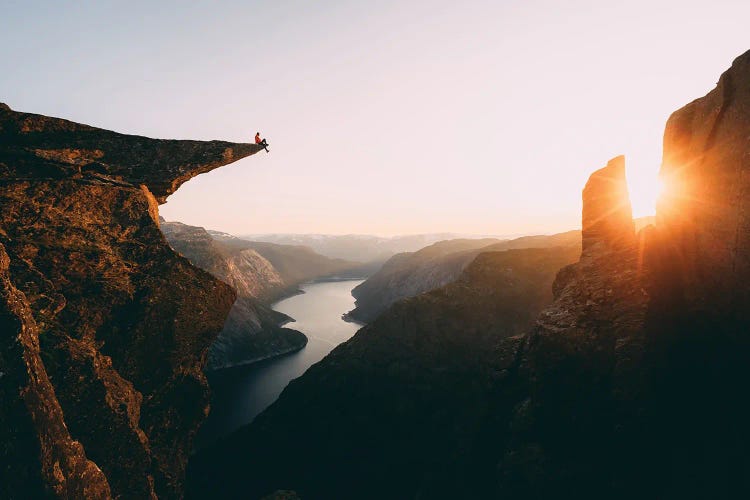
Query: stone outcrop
column 607, row 217
column 104, row 328
column 632, row 383
column 44, row 147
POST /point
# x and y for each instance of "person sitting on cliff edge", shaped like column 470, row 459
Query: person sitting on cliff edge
column 260, row 141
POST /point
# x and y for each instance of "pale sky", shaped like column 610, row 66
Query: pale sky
column 388, row 117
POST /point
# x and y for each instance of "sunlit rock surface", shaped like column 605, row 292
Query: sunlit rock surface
column 104, row 328
column 607, row 218
column 706, row 201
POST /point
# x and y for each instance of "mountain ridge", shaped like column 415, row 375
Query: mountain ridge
column 411, row 273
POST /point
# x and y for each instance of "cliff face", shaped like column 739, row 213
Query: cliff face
column 251, row 331
column 635, row 377
column 105, row 328
column 566, row 408
column 248, row 272
column 705, row 159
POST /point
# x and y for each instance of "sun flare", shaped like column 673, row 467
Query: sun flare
column 644, row 191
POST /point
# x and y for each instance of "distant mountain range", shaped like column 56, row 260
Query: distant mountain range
column 357, row 247
column 298, row 262
column 411, row 273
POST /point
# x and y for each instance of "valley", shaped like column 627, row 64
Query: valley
column 239, row 394
column 412, row 269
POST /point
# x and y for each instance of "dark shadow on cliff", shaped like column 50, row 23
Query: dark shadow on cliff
column 112, row 325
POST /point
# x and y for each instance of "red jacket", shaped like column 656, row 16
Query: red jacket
column 257, row 139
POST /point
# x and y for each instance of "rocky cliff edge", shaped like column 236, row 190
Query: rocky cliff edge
column 103, row 328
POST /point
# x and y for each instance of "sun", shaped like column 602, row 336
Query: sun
column 644, row 188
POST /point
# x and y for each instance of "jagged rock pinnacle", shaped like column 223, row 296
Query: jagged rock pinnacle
column 607, row 216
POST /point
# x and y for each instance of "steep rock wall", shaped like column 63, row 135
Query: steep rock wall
column 705, row 209
column 102, row 364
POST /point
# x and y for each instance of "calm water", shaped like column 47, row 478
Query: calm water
column 239, row 394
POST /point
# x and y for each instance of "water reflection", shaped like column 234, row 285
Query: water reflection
column 239, row 394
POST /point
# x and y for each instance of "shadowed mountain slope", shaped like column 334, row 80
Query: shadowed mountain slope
column 409, row 274
column 355, row 247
